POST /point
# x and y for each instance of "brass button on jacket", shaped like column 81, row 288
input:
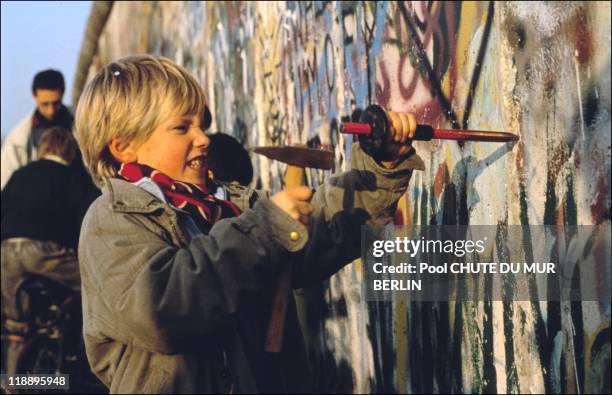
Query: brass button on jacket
column 294, row 236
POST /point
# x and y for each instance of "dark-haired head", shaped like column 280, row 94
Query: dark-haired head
column 51, row 80
column 48, row 91
column 228, row 160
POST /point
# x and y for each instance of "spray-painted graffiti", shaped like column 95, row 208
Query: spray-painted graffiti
column 289, row 72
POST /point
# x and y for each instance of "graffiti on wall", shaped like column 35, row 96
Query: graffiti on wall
column 279, row 73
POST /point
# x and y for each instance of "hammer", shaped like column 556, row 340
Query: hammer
column 297, row 159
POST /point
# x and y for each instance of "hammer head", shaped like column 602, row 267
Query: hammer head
column 299, row 156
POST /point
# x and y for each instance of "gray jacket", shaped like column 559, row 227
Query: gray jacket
column 168, row 310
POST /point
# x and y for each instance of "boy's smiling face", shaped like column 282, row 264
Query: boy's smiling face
column 178, row 148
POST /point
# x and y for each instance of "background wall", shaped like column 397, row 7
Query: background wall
column 278, row 73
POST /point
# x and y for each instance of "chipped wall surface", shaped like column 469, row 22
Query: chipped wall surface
column 279, row 73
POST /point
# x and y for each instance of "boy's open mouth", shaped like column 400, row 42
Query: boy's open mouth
column 197, row 163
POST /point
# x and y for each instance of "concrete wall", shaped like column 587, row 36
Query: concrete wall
column 284, row 72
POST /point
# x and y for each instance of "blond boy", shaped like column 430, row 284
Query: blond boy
column 177, row 285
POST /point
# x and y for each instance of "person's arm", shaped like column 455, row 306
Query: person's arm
column 158, row 296
column 14, row 151
column 367, row 194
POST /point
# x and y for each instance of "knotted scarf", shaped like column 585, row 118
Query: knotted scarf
column 197, row 200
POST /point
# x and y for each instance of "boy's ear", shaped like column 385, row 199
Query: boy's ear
column 122, row 151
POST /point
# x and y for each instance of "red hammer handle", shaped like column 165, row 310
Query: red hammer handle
column 356, row 128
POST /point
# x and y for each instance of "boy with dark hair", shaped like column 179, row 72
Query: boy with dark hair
column 230, row 170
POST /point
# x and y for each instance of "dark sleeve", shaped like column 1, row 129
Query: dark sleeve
column 7, row 196
column 367, row 194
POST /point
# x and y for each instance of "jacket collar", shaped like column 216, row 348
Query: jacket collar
column 56, row 159
column 129, row 198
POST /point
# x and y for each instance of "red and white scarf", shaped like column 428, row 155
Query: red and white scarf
column 203, row 206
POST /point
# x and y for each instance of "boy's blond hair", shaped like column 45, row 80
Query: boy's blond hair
column 127, row 100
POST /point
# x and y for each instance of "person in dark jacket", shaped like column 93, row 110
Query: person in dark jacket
column 43, row 205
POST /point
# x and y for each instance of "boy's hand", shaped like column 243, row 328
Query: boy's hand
column 403, row 126
column 295, row 202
